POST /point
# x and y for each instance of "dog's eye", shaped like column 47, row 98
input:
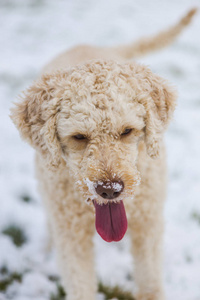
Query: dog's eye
column 79, row 137
column 126, row 131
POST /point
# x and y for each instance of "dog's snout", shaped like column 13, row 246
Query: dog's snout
column 109, row 189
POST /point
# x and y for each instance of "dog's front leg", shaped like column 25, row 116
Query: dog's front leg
column 73, row 231
column 146, row 237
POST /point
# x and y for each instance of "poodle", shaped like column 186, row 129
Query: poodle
column 96, row 120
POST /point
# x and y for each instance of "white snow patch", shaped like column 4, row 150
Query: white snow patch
column 91, row 187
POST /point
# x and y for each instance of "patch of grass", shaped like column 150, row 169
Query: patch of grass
column 60, row 294
column 9, row 279
column 26, row 198
column 53, row 278
column 3, row 270
column 196, row 217
column 16, row 234
column 114, row 292
column 109, row 292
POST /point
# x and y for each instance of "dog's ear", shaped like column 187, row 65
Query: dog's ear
column 159, row 106
column 35, row 116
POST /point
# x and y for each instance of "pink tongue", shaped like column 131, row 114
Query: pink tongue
column 111, row 222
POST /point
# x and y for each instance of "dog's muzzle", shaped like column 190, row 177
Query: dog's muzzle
column 109, row 189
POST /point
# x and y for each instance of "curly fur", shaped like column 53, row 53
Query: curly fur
column 99, row 99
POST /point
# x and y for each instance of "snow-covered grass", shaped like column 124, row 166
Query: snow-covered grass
column 31, row 33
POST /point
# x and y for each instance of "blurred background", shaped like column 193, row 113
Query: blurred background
column 32, row 33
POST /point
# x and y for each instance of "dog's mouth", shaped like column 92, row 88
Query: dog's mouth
column 111, row 221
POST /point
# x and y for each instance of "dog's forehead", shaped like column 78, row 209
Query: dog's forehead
column 103, row 78
column 102, row 96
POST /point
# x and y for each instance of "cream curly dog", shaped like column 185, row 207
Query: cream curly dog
column 97, row 127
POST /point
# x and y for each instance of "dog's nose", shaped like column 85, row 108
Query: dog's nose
column 109, row 189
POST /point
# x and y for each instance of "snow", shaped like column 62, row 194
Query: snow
column 41, row 288
column 117, row 186
column 31, row 33
column 90, row 186
column 109, row 185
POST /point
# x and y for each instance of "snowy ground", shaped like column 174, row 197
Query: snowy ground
column 31, row 33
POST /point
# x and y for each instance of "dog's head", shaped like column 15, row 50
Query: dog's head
column 92, row 117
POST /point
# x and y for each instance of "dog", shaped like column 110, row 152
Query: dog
column 96, row 120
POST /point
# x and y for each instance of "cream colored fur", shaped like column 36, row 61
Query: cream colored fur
column 100, row 98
